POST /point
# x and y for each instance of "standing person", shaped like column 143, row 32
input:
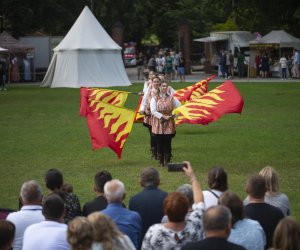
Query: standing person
column 223, row 63
column 168, row 67
column 30, row 213
column 128, row 222
column 283, row 65
column 230, row 64
column 265, row 68
column 140, row 60
column 296, row 62
column 267, row 215
column 3, row 68
column 258, row 64
column 163, row 125
column 149, row 202
column 51, row 233
column 290, row 66
column 100, row 202
column 175, row 65
column 217, row 226
column 151, row 65
column 240, row 64
column 181, row 67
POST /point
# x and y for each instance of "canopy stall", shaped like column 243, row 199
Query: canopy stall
column 274, row 44
column 19, row 59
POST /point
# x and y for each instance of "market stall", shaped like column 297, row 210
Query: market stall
column 275, row 44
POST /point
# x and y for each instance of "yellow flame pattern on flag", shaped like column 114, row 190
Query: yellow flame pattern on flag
column 114, row 117
column 113, row 97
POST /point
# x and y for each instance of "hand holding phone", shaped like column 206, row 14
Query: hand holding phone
column 176, row 167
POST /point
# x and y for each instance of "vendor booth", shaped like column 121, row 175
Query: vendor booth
column 19, row 59
column 275, row 44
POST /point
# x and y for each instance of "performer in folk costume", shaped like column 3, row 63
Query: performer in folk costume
column 163, row 125
column 152, row 91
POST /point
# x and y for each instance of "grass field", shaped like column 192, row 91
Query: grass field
column 40, row 128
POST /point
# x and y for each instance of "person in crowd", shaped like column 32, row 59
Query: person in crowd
column 151, row 65
column 290, row 66
column 3, row 68
column 283, row 65
column 30, row 213
column 15, row 69
column 258, row 64
column 140, row 61
column 273, row 196
column 7, row 234
column 51, row 233
column 241, row 63
column 296, row 62
column 287, row 235
column 187, row 191
column 151, row 92
column 54, row 182
column 230, row 64
column 175, row 65
column 217, row 183
column 128, row 222
column 106, row 234
column 67, row 188
column 168, row 67
column 163, row 125
column 160, row 63
column 178, row 231
column 80, row 234
column 265, row 67
column 149, row 202
column 181, row 67
column 245, row 232
column 100, row 202
column 223, row 63
column 217, row 226
column 267, row 215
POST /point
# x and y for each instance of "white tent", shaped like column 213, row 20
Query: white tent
column 277, row 37
column 86, row 57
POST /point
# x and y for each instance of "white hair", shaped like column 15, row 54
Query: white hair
column 30, row 191
column 114, row 190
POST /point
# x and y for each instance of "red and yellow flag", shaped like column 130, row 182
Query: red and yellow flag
column 109, row 123
column 194, row 91
column 211, row 106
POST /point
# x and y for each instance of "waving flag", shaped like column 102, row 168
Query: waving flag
column 194, row 91
column 211, row 106
column 109, row 124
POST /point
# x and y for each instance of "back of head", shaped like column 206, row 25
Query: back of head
column 187, row 191
column 176, row 206
column 7, row 234
column 100, row 179
column 104, row 228
column 31, row 192
column 234, row 203
column 114, row 191
column 149, row 177
column 271, row 178
column 256, row 186
column 53, row 207
column 287, row 235
column 54, row 179
column 216, row 218
column 217, row 179
column 80, row 234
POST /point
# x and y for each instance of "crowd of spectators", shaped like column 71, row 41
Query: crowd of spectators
column 188, row 218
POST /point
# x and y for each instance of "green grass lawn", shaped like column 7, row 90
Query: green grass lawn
column 40, row 128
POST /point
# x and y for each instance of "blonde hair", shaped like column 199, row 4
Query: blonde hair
column 105, row 231
column 287, row 235
column 272, row 180
column 80, row 234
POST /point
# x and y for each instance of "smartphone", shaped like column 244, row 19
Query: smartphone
column 176, row 167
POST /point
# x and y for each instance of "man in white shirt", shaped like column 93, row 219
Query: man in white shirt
column 30, row 213
column 50, row 234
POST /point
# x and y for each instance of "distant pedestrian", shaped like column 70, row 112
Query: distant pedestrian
column 181, row 67
column 283, row 65
column 240, row 64
column 296, row 62
column 140, row 60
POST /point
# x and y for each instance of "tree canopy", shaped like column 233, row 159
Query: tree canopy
column 148, row 18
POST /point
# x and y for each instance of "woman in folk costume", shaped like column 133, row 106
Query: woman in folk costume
column 152, row 91
column 163, row 125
